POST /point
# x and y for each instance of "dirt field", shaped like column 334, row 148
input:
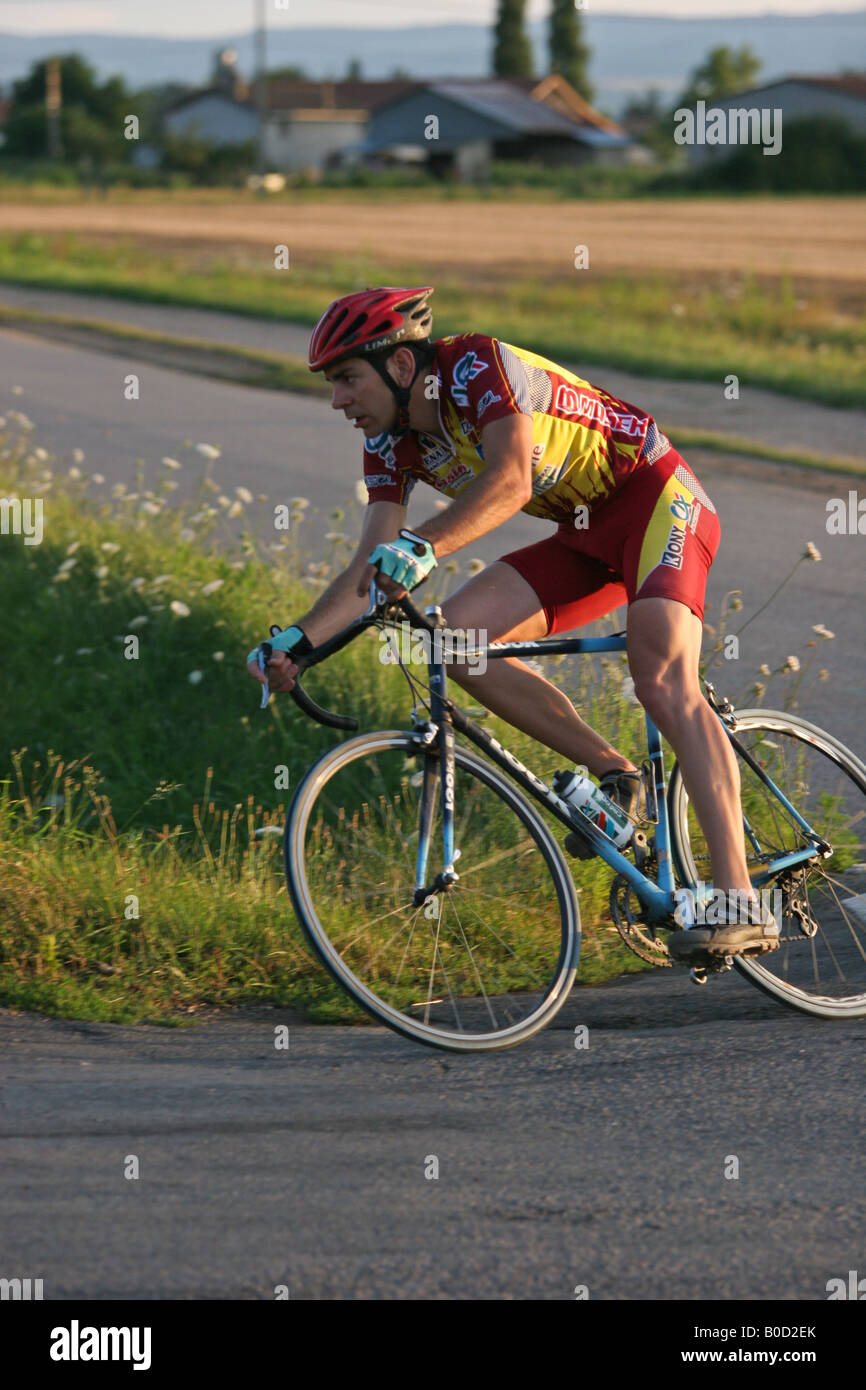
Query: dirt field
column 819, row 238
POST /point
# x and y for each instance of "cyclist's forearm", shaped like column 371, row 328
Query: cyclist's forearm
column 334, row 609
column 491, row 499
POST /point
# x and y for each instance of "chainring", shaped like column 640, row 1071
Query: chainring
column 635, row 933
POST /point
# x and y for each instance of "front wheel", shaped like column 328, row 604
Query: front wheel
column 482, row 964
column 820, row 906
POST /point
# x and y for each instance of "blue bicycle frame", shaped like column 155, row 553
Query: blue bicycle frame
column 656, row 897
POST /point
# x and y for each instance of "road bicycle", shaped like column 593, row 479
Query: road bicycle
column 437, row 895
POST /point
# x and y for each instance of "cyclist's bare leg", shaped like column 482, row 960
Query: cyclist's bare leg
column 501, row 604
column 664, row 644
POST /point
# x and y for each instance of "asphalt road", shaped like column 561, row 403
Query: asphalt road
column 557, row 1167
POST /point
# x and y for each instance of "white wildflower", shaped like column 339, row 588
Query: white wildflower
column 152, row 508
column 83, row 651
column 210, row 451
column 301, row 502
column 77, row 455
column 66, row 565
column 822, row 631
column 792, row 663
column 97, row 477
column 101, row 572
column 195, row 677
column 811, row 552
column 236, row 509
column 138, row 622
column 179, row 609
column 187, row 533
column 110, row 547
column 212, row 587
column 75, row 474
column 244, row 494
column 71, row 549
column 219, row 656
column 171, row 463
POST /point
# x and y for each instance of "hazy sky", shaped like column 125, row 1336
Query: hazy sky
column 171, row 18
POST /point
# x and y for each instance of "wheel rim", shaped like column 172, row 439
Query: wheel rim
column 485, row 963
column 821, row 908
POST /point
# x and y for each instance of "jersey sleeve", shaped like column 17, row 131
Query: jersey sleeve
column 388, row 470
column 494, row 381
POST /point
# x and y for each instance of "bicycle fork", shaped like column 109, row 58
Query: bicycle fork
column 438, row 781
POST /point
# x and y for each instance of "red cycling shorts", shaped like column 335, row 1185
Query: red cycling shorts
column 655, row 537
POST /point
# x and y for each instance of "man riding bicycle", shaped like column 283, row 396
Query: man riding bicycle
column 499, row 430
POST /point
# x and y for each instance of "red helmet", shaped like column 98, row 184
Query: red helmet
column 368, row 321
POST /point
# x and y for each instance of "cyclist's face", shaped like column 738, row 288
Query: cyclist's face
column 362, row 395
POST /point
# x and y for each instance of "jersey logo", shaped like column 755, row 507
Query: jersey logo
column 684, row 510
column 436, row 456
column 379, row 480
column 383, row 447
column 459, row 473
column 673, row 552
column 469, row 366
column 489, row 399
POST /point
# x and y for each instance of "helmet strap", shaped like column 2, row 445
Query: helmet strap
column 401, row 394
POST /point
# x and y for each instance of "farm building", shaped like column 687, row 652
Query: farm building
column 461, row 124
column 797, row 97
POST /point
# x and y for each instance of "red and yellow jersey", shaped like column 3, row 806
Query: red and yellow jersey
column 585, row 442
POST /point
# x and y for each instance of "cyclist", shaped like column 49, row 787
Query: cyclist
column 498, row 429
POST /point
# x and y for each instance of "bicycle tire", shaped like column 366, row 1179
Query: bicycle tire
column 761, row 971
column 295, row 857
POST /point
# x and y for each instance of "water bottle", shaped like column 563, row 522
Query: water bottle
column 581, row 792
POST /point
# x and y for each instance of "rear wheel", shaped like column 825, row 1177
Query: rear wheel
column 483, row 964
column 820, row 966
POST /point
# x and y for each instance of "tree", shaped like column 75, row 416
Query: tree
column 512, row 50
column 722, row 73
column 569, row 54
column 354, row 71
column 91, row 117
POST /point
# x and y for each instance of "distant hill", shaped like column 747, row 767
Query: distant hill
column 629, row 54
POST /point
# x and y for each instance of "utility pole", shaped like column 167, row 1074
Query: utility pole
column 53, row 103
column 261, row 83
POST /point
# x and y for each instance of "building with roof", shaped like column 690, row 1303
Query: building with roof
column 797, row 97
column 459, row 125
column 310, row 124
